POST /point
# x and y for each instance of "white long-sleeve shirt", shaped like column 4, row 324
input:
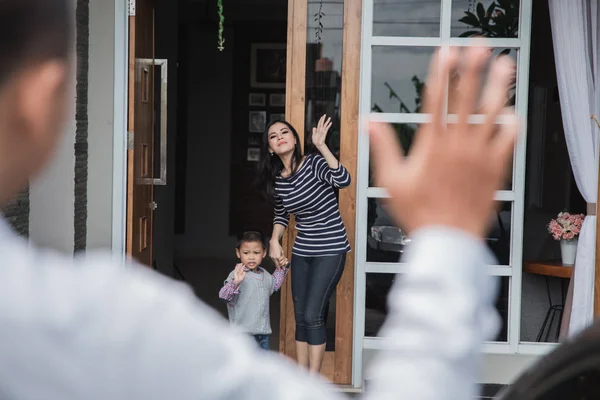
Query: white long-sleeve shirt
column 89, row 329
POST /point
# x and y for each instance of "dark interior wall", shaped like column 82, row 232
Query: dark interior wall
column 209, row 120
column 167, row 13
column 216, row 120
column 248, row 210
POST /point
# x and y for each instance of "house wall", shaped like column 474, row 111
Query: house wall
column 101, row 124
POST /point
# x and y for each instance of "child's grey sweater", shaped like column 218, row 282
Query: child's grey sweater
column 249, row 309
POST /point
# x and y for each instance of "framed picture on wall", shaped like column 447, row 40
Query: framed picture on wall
column 253, row 154
column 277, row 99
column 258, row 121
column 276, row 117
column 254, row 140
column 268, row 65
column 257, row 100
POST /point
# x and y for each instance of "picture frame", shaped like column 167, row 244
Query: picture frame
column 257, row 121
column 276, row 117
column 268, row 65
column 254, row 140
column 253, row 154
column 277, row 100
column 257, row 99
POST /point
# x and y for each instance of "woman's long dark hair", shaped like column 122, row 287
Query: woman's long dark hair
column 270, row 166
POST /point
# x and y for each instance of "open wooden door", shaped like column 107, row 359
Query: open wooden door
column 323, row 77
column 140, row 154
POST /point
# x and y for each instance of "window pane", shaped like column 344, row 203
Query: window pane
column 406, row 18
column 386, row 242
column 323, row 69
column 485, row 18
column 398, row 77
column 379, row 285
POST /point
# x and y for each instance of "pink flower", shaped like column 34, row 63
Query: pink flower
column 570, row 236
column 566, row 226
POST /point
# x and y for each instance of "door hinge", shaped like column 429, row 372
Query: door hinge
column 130, row 136
column 131, row 8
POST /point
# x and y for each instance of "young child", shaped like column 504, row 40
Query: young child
column 248, row 288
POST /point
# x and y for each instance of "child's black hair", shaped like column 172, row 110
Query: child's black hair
column 251, row 237
column 33, row 31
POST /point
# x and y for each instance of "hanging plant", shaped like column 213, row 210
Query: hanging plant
column 319, row 27
column 221, row 41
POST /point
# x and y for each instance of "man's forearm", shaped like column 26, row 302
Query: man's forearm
column 441, row 311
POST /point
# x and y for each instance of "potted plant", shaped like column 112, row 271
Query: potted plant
column 566, row 228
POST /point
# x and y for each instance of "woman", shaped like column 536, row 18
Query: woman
column 304, row 186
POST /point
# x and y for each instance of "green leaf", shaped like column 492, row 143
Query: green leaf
column 480, row 11
column 470, row 19
column 470, row 34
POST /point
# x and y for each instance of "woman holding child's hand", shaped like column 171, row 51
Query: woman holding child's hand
column 304, row 185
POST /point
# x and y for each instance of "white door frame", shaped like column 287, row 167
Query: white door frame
column 119, row 194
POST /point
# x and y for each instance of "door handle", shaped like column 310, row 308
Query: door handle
column 153, row 205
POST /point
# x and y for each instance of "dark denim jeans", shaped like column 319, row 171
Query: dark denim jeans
column 313, row 281
column 263, row 341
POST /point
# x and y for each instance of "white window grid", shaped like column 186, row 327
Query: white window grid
column 515, row 196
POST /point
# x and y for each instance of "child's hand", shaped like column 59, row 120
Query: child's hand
column 239, row 274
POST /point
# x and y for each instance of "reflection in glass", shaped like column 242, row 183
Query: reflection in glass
column 323, row 93
column 406, row 18
column 386, row 242
column 487, row 18
column 376, row 306
column 398, row 76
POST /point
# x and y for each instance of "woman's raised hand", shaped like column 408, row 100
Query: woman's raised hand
column 319, row 133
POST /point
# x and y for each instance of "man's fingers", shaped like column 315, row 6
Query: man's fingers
column 386, row 153
column 469, row 86
column 431, row 82
column 503, row 143
column 437, row 84
column 496, row 90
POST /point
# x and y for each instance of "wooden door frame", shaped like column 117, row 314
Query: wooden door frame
column 133, row 181
column 295, row 114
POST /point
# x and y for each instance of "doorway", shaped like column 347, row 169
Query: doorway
column 277, row 60
column 217, row 112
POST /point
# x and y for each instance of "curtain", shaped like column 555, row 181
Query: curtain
column 575, row 36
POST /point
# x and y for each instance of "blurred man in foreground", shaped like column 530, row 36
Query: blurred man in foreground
column 89, row 329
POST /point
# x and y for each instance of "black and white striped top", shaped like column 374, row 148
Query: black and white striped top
column 309, row 195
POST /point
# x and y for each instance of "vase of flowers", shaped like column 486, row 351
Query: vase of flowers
column 566, row 228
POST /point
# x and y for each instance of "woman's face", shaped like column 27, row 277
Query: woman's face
column 281, row 139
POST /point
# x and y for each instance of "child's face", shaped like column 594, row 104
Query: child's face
column 251, row 254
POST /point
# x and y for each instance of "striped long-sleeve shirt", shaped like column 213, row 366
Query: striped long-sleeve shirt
column 309, row 195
